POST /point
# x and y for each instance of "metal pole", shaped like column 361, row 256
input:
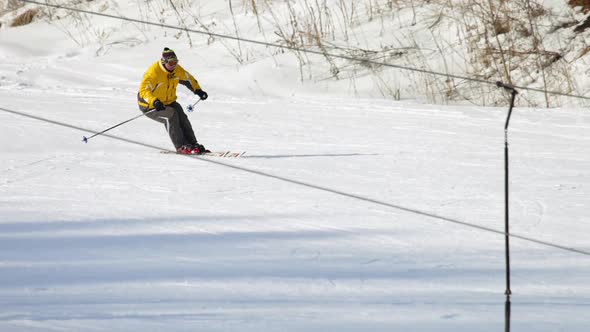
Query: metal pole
column 190, row 108
column 507, row 314
column 506, row 187
column 506, row 214
column 85, row 139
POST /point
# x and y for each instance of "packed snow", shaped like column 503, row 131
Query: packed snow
column 347, row 213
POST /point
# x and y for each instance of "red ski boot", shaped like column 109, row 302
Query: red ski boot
column 201, row 148
column 198, row 149
column 185, row 149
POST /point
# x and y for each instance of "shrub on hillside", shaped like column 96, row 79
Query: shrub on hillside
column 24, row 18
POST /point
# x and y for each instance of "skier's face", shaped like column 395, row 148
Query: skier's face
column 170, row 65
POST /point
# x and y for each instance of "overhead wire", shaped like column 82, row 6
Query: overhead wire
column 321, row 188
column 305, row 50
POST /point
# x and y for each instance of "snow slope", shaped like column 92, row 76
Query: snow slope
column 342, row 215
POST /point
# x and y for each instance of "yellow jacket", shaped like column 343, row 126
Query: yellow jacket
column 158, row 83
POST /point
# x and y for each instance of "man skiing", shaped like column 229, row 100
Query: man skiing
column 158, row 91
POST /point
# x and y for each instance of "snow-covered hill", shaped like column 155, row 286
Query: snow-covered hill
column 349, row 212
column 540, row 44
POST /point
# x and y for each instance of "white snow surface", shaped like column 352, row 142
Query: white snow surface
column 345, row 214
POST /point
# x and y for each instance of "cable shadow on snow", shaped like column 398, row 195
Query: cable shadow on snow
column 39, row 228
column 96, row 251
column 161, row 249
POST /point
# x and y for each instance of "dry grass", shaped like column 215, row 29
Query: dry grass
column 497, row 40
column 582, row 27
column 585, row 4
column 501, row 26
column 7, row 6
column 25, row 18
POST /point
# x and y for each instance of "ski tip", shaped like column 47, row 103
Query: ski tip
column 84, row 139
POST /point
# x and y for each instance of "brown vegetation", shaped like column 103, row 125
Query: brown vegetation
column 25, row 18
column 585, row 4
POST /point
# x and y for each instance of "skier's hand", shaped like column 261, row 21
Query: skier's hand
column 159, row 105
column 202, row 94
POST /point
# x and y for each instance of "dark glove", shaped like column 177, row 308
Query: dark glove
column 202, row 94
column 159, row 105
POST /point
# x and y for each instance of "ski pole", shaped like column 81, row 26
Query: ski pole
column 85, row 139
column 190, row 107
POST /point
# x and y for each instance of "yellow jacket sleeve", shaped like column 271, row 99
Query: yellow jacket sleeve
column 148, row 86
column 189, row 81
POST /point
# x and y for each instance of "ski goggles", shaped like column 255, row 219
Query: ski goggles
column 172, row 62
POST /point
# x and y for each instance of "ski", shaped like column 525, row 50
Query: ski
column 225, row 154
column 222, row 154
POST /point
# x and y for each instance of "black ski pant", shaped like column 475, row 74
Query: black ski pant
column 176, row 122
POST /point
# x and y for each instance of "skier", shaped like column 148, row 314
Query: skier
column 158, row 91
